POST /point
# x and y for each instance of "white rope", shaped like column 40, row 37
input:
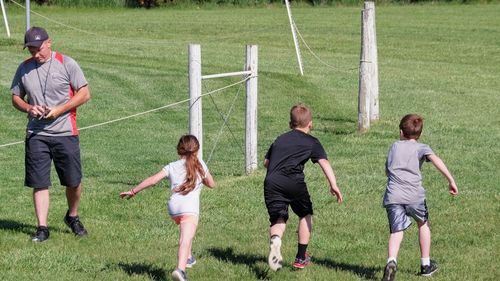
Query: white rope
column 111, row 38
column 314, row 54
column 54, row 21
column 145, row 112
column 13, row 143
column 225, row 118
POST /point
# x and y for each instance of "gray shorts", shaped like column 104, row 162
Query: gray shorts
column 399, row 215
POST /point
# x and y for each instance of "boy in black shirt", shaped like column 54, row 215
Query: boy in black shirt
column 284, row 184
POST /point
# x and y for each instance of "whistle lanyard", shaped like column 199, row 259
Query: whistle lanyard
column 44, row 87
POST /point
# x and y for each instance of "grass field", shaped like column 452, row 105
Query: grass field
column 442, row 61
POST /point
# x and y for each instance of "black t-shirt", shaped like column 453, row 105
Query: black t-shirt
column 288, row 155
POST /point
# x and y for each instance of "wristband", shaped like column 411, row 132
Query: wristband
column 133, row 192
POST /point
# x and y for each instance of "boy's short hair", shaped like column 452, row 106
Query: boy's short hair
column 411, row 125
column 300, row 116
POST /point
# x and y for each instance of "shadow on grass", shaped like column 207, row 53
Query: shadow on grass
column 23, row 228
column 336, row 126
column 228, row 255
column 16, row 226
column 143, row 269
column 368, row 273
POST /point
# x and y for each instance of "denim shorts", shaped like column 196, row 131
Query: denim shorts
column 400, row 215
column 63, row 151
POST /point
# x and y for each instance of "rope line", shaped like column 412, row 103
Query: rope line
column 111, row 38
column 235, row 141
column 225, row 119
column 13, row 143
column 314, row 54
column 54, row 21
column 148, row 111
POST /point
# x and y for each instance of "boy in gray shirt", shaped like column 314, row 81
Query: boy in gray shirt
column 405, row 197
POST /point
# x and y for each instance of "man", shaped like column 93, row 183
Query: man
column 49, row 87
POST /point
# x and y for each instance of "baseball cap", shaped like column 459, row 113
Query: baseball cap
column 34, row 37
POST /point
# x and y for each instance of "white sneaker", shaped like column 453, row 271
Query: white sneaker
column 275, row 260
column 179, row 275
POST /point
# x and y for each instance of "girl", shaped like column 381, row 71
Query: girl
column 186, row 177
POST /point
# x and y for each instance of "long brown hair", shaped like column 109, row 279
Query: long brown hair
column 188, row 147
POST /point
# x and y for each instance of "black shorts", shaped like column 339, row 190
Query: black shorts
column 42, row 150
column 279, row 197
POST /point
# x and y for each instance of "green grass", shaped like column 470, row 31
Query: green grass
column 441, row 61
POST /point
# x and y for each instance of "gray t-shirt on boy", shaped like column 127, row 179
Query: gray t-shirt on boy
column 404, row 179
column 51, row 83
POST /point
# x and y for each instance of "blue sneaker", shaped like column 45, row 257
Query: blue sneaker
column 191, row 261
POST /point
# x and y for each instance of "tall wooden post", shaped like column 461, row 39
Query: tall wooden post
column 28, row 20
column 372, row 33
column 251, row 109
column 368, row 100
column 195, row 109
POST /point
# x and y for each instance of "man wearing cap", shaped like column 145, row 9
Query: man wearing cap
column 49, row 87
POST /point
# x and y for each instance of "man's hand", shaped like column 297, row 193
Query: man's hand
column 37, row 111
column 52, row 113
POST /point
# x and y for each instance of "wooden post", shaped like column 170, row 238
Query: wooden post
column 4, row 13
column 372, row 33
column 28, row 9
column 251, row 110
column 368, row 70
column 195, row 109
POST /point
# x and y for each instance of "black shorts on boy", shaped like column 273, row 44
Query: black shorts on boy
column 281, row 192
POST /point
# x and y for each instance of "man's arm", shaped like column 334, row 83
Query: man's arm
column 328, row 171
column 34, row 110
column 82, row 96
column 439, row 164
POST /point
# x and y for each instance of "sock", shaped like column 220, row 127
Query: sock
column 425, row 261
column 392, row 259
column 301, row 251
column 274, row 236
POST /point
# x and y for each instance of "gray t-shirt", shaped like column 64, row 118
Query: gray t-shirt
column 51, row 83
column 404, row 179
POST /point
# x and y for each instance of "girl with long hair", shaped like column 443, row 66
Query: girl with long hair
column 187, row 176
